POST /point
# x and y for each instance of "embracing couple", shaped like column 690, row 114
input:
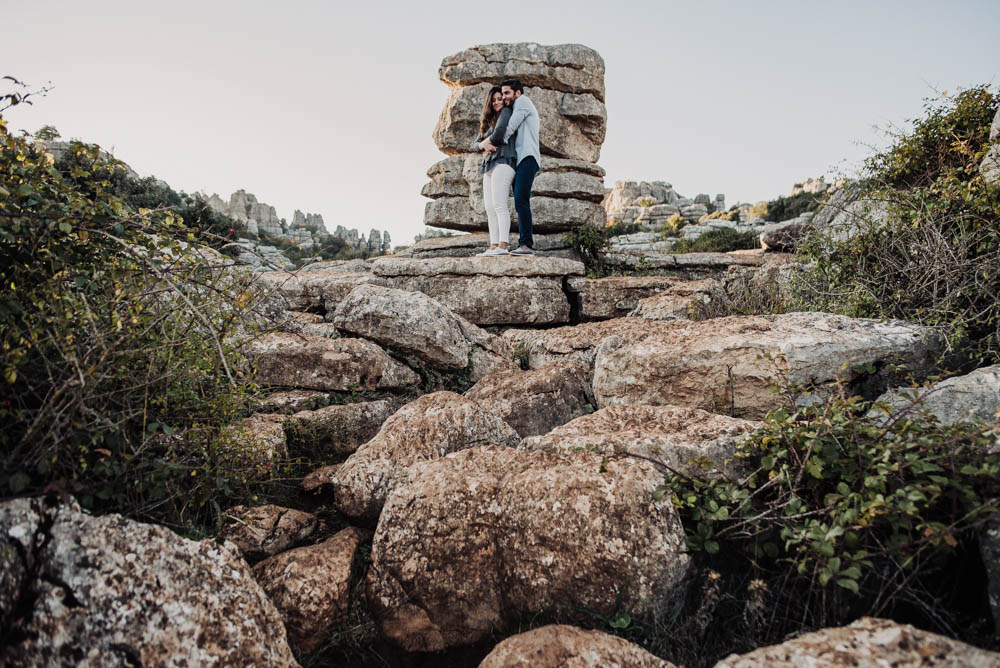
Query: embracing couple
column 508, row 139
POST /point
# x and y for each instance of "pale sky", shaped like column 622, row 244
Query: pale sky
column 328, row 107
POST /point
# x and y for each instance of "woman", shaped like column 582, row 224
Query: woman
column 497, row 169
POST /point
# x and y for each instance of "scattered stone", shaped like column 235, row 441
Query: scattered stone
column 430, row 427
column 867, row 642
column 319, row 478
column 311, row 587
column 974, row 397
column 340, row 428
column 688, row 440
column 257, row 440
column 559, row 646
column 727, row 365
column 294, row 400
column 472, row 540
column 263, row 531
column 312, row 362
column 108, row 590
column 534, row 402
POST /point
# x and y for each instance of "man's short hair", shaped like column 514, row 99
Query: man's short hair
column 514, row 84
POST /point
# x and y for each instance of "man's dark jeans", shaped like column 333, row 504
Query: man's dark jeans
column 524, row 177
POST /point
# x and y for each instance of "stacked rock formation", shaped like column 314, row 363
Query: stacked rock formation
column 566, row 85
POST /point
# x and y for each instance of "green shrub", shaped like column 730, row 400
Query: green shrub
column 838, row 516
column 122, row 346
column 590, row 243
column 935, row 260
column 786, row 208
column 719, row 240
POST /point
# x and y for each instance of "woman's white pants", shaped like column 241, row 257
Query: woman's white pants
column 496, row 197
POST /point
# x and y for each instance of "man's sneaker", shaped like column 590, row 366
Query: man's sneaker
column 497, row 251
column 522, row 250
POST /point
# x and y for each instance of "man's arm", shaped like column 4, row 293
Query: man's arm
column 516, row 118
column 499, row 132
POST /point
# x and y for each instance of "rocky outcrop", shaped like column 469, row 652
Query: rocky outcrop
column 848, row 212
column 420, row 326
column 649, row 205
column 311, row 586
column 534, row 402
column 476, row 538
column 566, row 85
column 256, row 441
column 729, row 364
column 498, row 290
column 677, row 301
column 867, row 642
column 974, row 397
column 685, row 266
column 338, row 429
column 311, row 362
column 688, row 440
column 292, row 401
column 110, row 591
column 430, row 427
column 467, row 245
column 263, row 531
column 577, row 343
column 560, row 646
column 316, row 291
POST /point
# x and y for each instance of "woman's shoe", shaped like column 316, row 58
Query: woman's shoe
column 498, row 251
column 488, row 251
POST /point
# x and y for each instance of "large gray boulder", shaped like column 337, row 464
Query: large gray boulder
column 83, row 590
column 476, row 539
column 974, row 397
column 730, row 364
column 433, row 426
column 562, row 646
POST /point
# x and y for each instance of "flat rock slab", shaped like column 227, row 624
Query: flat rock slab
column 257, row 440
column 471, row 541
column 678, row 437
column 974, row 397
column 534, row 402
column 468, row 245
column 867, row 642
column 506, row 266
column 572, row 68
column 688, row 266
column 263, row 531
column 318, row 363
column 340, row 428
column 728, row 365
column 548, row 214
column 430, row 427
column 285, row 401
column 343, row 266
column 615, row 296
column 311, row 587
column 561, row 646
column 110, row 591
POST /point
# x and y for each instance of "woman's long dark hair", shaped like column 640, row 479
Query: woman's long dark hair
column 489, row 116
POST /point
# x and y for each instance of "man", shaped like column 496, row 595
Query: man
column 524, row 121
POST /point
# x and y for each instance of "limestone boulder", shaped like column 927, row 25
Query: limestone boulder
column 689, row 440
column 677, row 301
column 263, row 531
column 572, row 68
column 849, row 212
column 475, row 539
column 447, row 177
column 536, row 401
column 562, row 646
column 572, row 343
column 499, row 266
column 467, row 245
column 257, row 440
column 729, row 364
column 867, row 642
column 322, row 477
column 433, row 426
column 311, row 587
column 974, row 397
column 342, row 266
column 685, row 266
column 413, row 323
column 573, row 125
column 292, row 401
column 340, row 428
column 110, row 591
column 615, row 296
column 549, row 215
column 319, row 363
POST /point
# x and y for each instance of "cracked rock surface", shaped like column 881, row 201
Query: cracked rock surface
column 83, row 590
